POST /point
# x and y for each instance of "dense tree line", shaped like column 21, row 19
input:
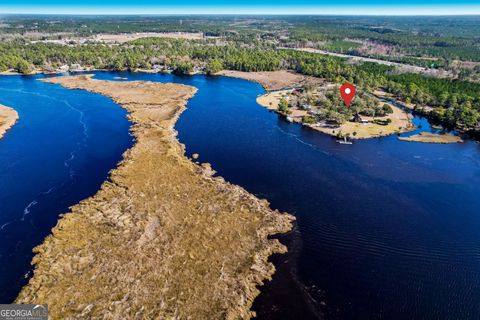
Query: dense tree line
column 456, row 103
column 439, row 37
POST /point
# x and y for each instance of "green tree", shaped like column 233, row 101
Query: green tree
column 283, row 106
column 386, row 108
column 214, row 66
column 23, row 67
column 183, row 68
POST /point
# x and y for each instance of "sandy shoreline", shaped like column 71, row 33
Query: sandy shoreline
column 8, row 117
column 280, row 83
column 162, row 238
column 401, row 120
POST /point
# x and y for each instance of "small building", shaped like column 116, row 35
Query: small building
column 330, row 123
column 76, row 68
column 327, row 124
column 297, row 91
column 357, row 118
column 64, row 68
column 305, row 106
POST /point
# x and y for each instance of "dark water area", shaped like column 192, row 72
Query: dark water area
column 386, row 229
column 59, row 152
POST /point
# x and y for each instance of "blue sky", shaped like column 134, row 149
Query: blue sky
column 376, row 7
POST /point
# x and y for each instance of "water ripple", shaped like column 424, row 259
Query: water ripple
column 81, row 120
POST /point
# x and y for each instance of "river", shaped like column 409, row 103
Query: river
column 59, row 152
column 386, row 229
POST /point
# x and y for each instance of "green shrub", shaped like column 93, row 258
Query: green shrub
column 309, row 119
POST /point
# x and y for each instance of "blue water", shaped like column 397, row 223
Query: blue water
column 59, row 152
column 386, row 229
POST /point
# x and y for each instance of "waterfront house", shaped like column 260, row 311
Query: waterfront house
column 64, row 68
column 359, row 119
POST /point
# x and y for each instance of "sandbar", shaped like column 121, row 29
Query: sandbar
column 429, row 137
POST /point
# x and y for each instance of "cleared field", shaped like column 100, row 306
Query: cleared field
column 272, row 80
column 125, row 37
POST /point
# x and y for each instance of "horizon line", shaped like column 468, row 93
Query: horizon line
column 459, row 14
column 352, row 10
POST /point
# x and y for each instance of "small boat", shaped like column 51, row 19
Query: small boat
column 289, row 119
column 344, row 141
column 120, row 78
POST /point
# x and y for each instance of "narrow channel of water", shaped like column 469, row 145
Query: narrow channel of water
column 59, row 152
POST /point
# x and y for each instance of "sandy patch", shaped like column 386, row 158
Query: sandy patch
column 272, row 80
column 125, row 37
column 8, row 117
column 271, row 99
column 14, row 73
column 9, row 73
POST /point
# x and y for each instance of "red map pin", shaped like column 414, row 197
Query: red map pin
column 347, row 91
